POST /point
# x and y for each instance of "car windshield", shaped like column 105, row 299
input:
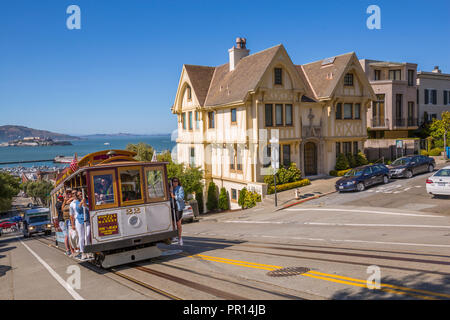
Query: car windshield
column 354, row 173
column 443, row 173
column 38, row 219
column 401, row 161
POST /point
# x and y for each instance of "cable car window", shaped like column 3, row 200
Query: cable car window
column 104, row 189
column 130, row 184
column 155, row 184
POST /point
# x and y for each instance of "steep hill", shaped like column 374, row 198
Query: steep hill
column 9, row 133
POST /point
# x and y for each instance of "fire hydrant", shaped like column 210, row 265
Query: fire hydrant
column 297, row 194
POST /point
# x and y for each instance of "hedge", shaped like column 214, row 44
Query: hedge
column 424, row 152
column 287, row 186
column 435, row 152
column 339, row 173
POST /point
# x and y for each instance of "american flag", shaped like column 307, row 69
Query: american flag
column 74, row 163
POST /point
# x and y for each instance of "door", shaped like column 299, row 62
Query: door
column 310, row 159
column 370, row 177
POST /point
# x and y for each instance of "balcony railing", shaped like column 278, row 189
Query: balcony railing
column 413, row 122
column 380, row 122
column 406, row 122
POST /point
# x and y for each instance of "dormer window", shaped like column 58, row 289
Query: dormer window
column 348, row 79
column 189, row 92
column 278, row 75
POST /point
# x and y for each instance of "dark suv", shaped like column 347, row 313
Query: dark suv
column 409, row 166
column 363, row 177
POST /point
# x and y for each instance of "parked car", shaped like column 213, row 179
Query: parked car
column 409, row 166
column 362, row 177
column 188, row 213
column 7, row 224
column 439, row 182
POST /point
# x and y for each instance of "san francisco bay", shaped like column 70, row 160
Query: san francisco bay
column 81, row 147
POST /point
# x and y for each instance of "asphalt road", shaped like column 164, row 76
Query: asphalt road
column 409, row 194
column 236, row 256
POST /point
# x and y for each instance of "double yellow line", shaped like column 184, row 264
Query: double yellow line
column 417, row 293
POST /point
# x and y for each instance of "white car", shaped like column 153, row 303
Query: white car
column 188, row 213
column 439, row 182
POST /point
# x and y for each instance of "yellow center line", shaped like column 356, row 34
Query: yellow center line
column 323, row 276
column 365, row 286
column 383, row 284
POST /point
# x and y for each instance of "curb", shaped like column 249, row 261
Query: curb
column 306, row 199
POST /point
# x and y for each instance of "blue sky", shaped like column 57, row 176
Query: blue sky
column 120, row 72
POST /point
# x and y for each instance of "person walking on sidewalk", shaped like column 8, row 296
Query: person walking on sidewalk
column 177, row 193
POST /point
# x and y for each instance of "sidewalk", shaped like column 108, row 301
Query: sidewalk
column 320, row 186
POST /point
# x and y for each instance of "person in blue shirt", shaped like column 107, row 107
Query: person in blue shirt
column 177, row 193
column 82, row 223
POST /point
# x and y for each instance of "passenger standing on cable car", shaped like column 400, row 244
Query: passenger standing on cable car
column 177, row 193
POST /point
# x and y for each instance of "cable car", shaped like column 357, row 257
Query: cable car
column 129, row 205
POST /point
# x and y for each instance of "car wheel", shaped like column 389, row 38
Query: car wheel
column 409, row 174
column 385, row 179
column 430, row 168
column 360, row 186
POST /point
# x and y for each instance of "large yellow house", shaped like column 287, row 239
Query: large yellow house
column 228, row 114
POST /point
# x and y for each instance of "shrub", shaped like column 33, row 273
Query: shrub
column 242, row 196
column 435, row 152
column 223, row 199
column 342, row 162
column 339, row 173
column 287, row 186
column 211, row 203
column 199, row 198
column 285, row 175
column 424, row 152
column 351, row 160
column 361, row 159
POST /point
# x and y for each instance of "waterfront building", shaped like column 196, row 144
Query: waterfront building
column 227, row 115
column 433, row 94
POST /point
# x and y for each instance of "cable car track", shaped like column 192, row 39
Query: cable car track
column 95, row 268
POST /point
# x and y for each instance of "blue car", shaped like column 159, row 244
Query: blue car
column 358, row 179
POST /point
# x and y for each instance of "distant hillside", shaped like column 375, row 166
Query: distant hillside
column 9, row 133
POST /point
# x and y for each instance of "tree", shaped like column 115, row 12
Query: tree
column 242, row 197
column 439, row 127
column 361, row 159
column 342, row 162
column 39, row 190
column 223, row 199
column 144, row 151
column 211, row 202
column 199, row 198
column 9, row 188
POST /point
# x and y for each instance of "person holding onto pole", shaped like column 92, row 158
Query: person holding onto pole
column 177, row 193
column 81, row 227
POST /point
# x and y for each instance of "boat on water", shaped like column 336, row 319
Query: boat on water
column 107, row 144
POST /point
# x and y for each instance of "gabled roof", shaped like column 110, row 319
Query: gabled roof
column 317, row 74
column 232, row 86
column 200, row 77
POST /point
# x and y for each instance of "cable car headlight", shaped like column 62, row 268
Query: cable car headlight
column 30, row 228
column 134, row 221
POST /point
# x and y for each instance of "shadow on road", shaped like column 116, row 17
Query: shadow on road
column 4, row 269
column 419, row 281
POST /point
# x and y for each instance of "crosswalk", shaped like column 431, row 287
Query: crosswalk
column 392, row 189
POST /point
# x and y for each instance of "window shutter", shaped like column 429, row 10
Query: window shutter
column 426, row 96
column 445, row 97
column 434, row 96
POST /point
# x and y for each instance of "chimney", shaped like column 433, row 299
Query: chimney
column 238, row 52
column 436, row 69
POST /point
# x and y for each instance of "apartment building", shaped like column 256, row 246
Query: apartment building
column 433, row 94
column 227, row 115
column 394, row 113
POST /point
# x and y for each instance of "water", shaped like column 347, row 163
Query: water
column 82, row 148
